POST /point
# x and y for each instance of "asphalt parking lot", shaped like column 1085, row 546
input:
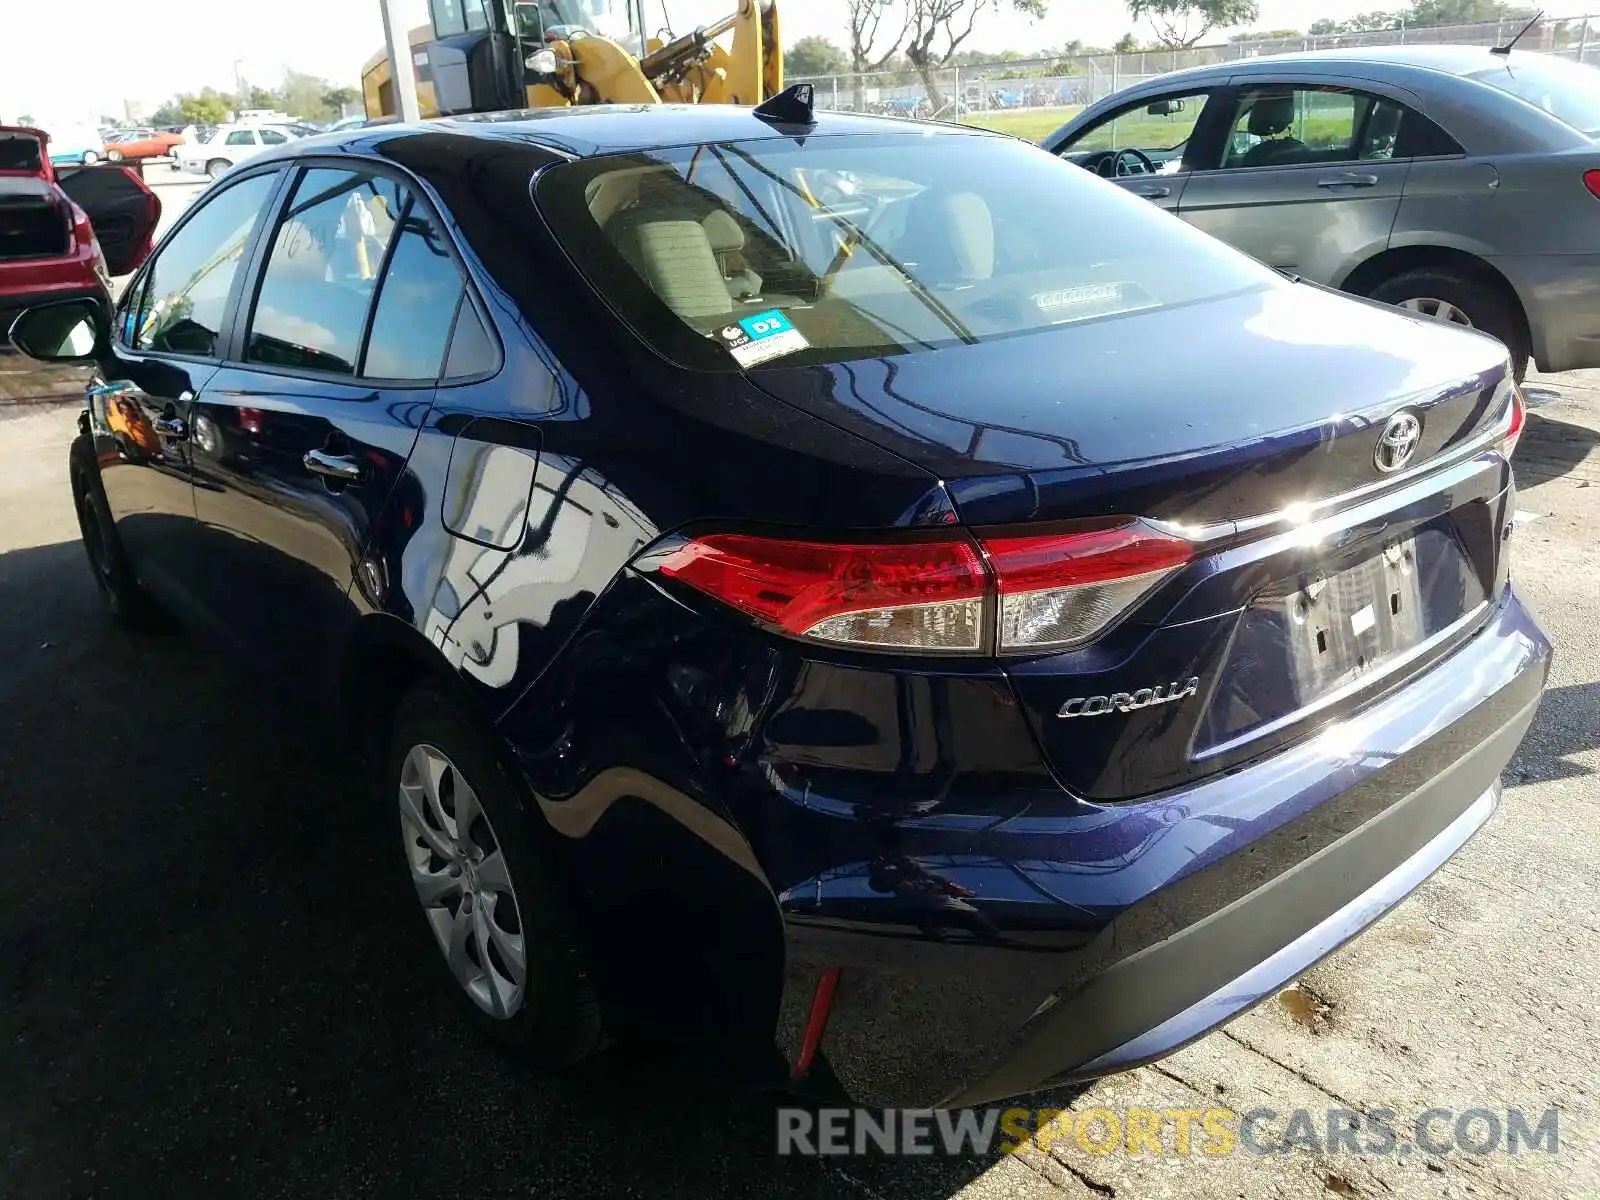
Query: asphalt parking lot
column 211, row 989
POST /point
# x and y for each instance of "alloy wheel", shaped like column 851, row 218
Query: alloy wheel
column 463, row 881
column 1438, row 310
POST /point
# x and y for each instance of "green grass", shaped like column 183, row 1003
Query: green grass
column 1032, row 124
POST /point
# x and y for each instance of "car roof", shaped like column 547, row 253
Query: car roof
column 615, row 128
column 1400, row 61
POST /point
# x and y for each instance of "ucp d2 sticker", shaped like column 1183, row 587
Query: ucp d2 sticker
column 765, row 336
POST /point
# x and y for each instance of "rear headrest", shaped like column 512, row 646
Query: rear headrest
column 725, row 233
column 1271, row 114
column 673, row 255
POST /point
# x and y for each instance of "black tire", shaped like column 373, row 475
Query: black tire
column 217, row 168
column 114, row 156
column 127, row 602
column 1484, row 302
column 558, row 1022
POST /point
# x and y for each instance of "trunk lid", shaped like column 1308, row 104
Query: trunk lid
column 1216, row 411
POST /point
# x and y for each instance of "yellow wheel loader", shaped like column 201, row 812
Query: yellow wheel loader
column 478, row 56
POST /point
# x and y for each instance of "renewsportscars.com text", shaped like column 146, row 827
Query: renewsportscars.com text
column 1165, row 1131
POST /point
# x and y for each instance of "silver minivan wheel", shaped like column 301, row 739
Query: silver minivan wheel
column 463, row 880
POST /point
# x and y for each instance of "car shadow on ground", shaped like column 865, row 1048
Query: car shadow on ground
column 213, row 974
column 1551, row 448
column 1567, row 726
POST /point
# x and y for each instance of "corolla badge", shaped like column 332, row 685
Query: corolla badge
column 1398, row 442
column 1124, row 702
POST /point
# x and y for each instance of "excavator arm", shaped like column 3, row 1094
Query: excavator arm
column 544, row 55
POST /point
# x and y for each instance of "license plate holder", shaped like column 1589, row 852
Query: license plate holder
column 1345, row 624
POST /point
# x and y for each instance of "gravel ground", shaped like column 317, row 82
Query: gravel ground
column 209, row 991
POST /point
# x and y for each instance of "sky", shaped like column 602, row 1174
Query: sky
column 114, row 50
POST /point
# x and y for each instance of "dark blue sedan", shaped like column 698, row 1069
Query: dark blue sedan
column 862, row 603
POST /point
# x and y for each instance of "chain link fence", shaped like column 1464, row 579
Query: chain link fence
column 1070, row 82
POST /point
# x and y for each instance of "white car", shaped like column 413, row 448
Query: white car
column 229, row 146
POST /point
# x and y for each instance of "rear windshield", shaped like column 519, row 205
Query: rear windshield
column 777, row 252
column 1566, row 90
column 19, row 152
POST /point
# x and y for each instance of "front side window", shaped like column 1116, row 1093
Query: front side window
column 271, row 137
column 186, row 288
column 323, row 269
column 240, row 137
column 742, row 254
column 1158, row 129
column 416, row 305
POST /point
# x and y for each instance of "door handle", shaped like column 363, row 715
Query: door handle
column 1154, row 193
column 171, row 427
column 1348, row 179
column 340, row 467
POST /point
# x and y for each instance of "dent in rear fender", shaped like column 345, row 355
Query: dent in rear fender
column 539, row 536
column 625, row 742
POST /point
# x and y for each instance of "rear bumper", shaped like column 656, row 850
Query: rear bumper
column 1561, row 295
column 1064, row 949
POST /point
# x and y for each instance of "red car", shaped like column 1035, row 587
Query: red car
column 64, row 233
column 142, row 144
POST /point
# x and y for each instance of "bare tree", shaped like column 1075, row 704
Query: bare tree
column 1180, row 24
column 937, row 28
column 867, row 25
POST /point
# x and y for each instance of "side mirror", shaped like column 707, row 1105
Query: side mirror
column 71, row 331
column 1164, row 108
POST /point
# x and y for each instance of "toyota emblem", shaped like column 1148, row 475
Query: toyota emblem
column 1398, row 443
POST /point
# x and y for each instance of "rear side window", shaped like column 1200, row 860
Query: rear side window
column 187, row 284
column 472, row 350
column 240, row 137
column 1421, row 138
column 772, row 251
column 416, row 305
column 271, row 137
column 322, row 271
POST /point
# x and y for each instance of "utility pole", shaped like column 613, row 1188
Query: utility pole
column 401, row 71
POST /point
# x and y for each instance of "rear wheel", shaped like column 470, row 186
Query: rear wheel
column 217, row 167
column 127, row 602
column 1456, row 298
column 90, row 158
column 493, row 910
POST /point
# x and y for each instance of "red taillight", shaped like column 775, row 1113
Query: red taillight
column 917, row 595
column 250, row 420
column 943, row 595
column 1515, row 421
column 1591, row 180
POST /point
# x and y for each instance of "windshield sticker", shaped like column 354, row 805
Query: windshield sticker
column 765, row 336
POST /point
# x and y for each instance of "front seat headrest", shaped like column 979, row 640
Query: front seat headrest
column 724, row 232
column 1271, row 114
column 950, row 236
